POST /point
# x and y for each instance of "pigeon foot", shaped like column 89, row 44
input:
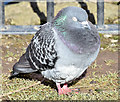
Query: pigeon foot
column 65, row 90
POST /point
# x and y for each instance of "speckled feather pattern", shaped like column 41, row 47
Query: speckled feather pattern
column 41, row 49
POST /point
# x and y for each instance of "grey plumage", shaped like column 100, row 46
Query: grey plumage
column 40, row 54
column 62, row 49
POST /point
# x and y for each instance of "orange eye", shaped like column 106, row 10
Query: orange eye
column 74, row 19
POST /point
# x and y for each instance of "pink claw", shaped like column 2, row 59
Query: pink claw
column 59, row 89
column 64, row 90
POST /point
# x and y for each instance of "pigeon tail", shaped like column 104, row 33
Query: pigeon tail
column 22, row 67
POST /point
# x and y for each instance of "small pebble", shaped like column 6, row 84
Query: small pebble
column 7, row 47
column 107, row 35
column 112, row 45
column 17, row 51
column 10, row 59
column 101, row 48
column 114, row 41
column 7, row 63
column 11, row 43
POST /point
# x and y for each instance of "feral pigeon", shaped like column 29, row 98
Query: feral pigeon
column 61, row 50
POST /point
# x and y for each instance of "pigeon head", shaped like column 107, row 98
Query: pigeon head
column 75, row 16
column 74, row 29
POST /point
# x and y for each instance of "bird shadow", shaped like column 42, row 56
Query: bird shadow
column 35, row 8
column 10, row 3
column 38, row 76
column 41, row 15
column 91, row 17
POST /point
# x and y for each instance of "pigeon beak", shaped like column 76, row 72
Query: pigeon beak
column 86, row 25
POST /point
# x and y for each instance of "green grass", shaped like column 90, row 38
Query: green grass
column 107, row 42
column 109, row 62
column 93, row 87
column 104, row 88
column 95, row 65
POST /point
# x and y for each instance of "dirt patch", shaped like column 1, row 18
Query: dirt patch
column 100, row 82
column 106, row 60
column 13, row 46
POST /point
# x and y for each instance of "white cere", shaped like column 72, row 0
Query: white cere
column 74, row 19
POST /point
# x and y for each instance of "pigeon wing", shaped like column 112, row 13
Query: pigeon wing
column 40, row 54
column 41, row 51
